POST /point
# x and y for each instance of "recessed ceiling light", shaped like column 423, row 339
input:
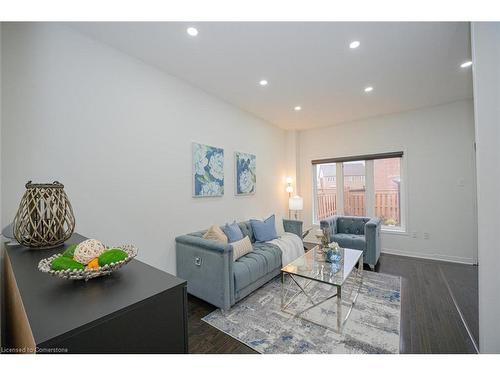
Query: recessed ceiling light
column 263, row 82
column 354, row 44
column 466, row 64
column 192, row 31
column 368, row 89
column 297, row 108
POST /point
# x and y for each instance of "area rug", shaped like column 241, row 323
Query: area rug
column 372, row 327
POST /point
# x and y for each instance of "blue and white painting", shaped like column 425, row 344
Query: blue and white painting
column 246, row 173
column 208, row 171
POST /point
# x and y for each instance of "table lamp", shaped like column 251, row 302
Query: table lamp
column 295, row 204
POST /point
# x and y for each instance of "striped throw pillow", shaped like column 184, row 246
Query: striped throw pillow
column 241, row 247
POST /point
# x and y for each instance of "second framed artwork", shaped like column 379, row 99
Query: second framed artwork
column 245, row 173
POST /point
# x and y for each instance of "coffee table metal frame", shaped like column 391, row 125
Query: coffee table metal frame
column 339, row 294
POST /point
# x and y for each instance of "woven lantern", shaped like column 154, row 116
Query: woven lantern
column 45, row 218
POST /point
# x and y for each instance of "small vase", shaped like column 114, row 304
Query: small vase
column 333, row 256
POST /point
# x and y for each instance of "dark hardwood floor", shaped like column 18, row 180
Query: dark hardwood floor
column 434, row 298
column 439, row 306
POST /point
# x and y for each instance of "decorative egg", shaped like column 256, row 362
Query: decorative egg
column 94, row 264
column 88, row 250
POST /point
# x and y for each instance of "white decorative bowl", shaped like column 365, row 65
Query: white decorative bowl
column 87, row 274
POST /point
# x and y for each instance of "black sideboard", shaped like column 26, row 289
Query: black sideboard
column 136, row 309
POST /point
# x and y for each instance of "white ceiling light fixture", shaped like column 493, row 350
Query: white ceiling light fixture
column 354, row 44
column 369, row 89
column 263, row 82
column 297, row 108
column 466, row 64
column 192, row 31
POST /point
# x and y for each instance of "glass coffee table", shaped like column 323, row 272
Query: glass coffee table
column 300, row 278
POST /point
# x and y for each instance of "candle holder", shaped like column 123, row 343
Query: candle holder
column 45, row 217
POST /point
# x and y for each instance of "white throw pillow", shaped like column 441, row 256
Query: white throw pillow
column 241, row 247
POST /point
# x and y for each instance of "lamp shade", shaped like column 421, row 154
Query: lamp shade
column 289, row 189
column 295, row 203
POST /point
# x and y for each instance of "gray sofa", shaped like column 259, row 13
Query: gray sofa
column 213, row 276
column 361, row 233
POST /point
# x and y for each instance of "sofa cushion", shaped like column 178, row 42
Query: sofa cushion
column 233, row 232
column 271, row 252
column 264, row 230
column 249, row 268
column 351, row 241
column 246, row 229
column 352, row 225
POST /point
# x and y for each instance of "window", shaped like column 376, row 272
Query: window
column 354, row 188
column 326, row 190
column 370, row 186
column 387, row 183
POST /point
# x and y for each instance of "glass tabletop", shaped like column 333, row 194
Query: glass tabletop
column 311, row 266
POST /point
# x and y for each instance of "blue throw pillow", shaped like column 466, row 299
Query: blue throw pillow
column 233, row 232
column 264, row 230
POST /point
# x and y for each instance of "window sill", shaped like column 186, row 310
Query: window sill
column 396, row 231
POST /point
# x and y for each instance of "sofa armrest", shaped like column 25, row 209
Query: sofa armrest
column 208, row 268
column 330, row 223
column 203, row 243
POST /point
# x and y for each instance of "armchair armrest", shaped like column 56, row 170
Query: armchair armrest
column 372, row 236
column 373, row 223
column 293, row 226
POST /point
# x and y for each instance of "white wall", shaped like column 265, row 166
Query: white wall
column 486, row 63
column 438, row 148
column 2, row 322
column 292, row 160
column 118, row 134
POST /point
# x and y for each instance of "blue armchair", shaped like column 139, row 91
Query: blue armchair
column 295, row 226
column 361, row 233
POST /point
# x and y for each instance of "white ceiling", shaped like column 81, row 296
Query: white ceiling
column 410, row 65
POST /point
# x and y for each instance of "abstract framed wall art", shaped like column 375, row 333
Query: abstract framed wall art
column 208, row 171
column 245, row 173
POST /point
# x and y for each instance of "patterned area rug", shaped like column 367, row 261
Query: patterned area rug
column 372, row 327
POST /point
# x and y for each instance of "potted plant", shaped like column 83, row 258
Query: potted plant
column 390, row 222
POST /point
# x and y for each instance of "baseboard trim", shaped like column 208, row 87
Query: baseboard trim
column 446, row 258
